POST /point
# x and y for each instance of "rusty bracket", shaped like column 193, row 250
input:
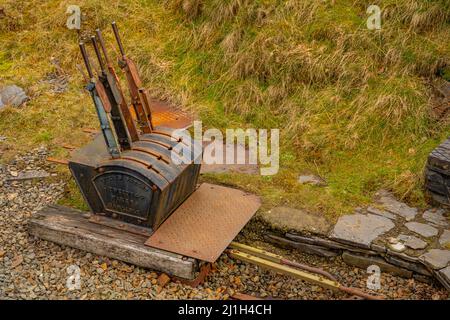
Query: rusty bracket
column 204, row 271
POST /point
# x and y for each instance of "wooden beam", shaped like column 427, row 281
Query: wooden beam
column 70, row 227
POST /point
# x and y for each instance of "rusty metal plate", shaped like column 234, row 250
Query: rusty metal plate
column 206, row 223
column 164, row 114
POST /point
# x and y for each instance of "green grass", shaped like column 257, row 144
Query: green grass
column 352, row 104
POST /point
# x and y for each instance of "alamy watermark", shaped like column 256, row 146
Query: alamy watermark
column 373, row 281
column 74, row 279
column 74, row 20
column 374, row 20
column 231, row 150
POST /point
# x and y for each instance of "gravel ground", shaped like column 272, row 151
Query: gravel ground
column 34, row 269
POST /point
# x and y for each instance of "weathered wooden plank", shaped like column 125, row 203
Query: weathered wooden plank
column 69, row 227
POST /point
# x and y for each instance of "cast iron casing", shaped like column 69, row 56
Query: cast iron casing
column 142, row 187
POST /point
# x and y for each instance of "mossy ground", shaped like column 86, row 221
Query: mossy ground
column 352, row 104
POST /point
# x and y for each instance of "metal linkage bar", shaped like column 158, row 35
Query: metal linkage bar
column 102, row 106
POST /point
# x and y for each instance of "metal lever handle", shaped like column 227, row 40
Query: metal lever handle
column 97, row 53
column 102, row 45
column 86, row 60
column 116, row 34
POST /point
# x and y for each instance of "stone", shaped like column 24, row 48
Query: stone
column 163, row 279
column 378, row 248
column 289, row 219
column 364, row 262
column 12, row 95
column 423, row 229
column 311, row 179
column 389, row 203
column 18, row 259
column 330, row 244
column 443, row 276
column 28, row 175
column 436, row 216
column 412, row 266
column 424, row 279
column 399, row 247
column 382, row 213
column 444, row 240
column 436, row 258
column 412, row 241
column 303, row 247
column 12, row 196
column 361, row 229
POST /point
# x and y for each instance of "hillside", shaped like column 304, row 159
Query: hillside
column 353, row 105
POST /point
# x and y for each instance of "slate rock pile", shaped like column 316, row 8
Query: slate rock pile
column 437, row 174
column 399, row 239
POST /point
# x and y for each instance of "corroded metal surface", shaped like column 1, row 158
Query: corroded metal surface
column 142, row 187
column 166, row 115
column 205, row 224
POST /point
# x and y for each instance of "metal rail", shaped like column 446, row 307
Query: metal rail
column 279, row 264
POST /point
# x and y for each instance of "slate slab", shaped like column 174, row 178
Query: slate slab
column 443, row 276
column 28, row 175
column 363, row 262
column 303, row 247
column 423, row 229
column 436, row 216
column 416, row 267
column 412, row 241
column 402, row 209
column 444, row 240
column 436, row 258
column 361, row 229
column 290, row 219
column 382, row 213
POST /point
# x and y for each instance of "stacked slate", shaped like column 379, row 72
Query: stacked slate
column 437, row 174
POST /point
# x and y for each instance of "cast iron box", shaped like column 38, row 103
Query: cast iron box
column 142, row 187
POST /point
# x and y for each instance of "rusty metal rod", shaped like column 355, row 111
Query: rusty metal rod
column 97, row 53
column 102, row 45
column 86, row 60
column 359, row 293
column 117, row 36
column 308, row 268
column 271, row 260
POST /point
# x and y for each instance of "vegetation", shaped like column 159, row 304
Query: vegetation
column 353, row 104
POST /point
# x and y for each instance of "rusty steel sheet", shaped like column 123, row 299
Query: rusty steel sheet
column 206, row 223
column 166, row 115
